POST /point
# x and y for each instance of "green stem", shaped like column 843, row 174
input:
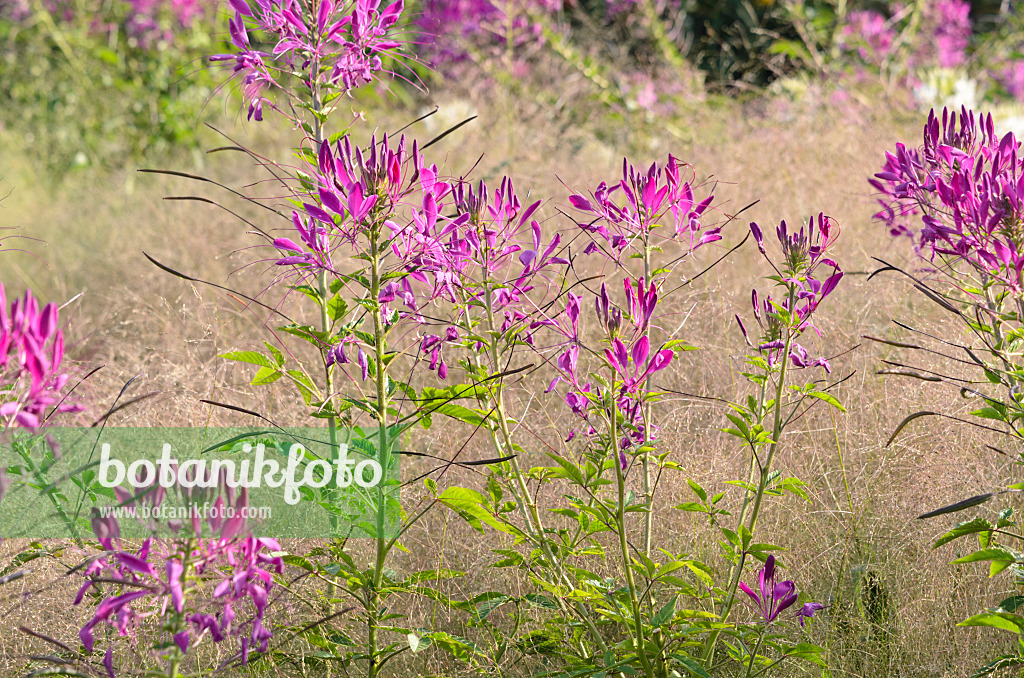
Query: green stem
column 753, row 655
column 646, row 462
column 521, row 491
column 648, row 414
column 765, row 468
column 384, row 448
column 627, row 561
column 325, row 325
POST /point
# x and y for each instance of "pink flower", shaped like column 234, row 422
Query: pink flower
column 772, row 597
column 31, row 358
column 156, row 576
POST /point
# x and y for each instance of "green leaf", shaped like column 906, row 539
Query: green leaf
column 471, row 505
column 568, row 470
column 828, row 398
column 543, row 602
column 299, row 561
column 996, row 620
column 697, row 490
column 1006, row 661
column 997, row 554
column 1011, row 604
column 691, row 665
column 251, row 357
column 304, row 384
column 463, row 414
column 460, row 648
column 665, row 614
column 988, row 413
column 487, row 603
column 274, row 351
column 337, row 308
column 791, row 48
column 969, row 527
column 266, row 375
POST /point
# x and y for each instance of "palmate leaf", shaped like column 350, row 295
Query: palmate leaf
column 461, row 648
column 691, row 665
column 266, row 375
column 665, row 614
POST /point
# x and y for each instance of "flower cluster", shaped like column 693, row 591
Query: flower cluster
column 628, row 356
column 451, row 241
column 951, row 21
column 147, row 22
column 340, row 48
column 625, row 214
column 31, row 357
column 967, row 186
column 782, row 321
column 454, row 30
column 942, row 40
column 1012, row 78
column 160, row 575
column 868, row 33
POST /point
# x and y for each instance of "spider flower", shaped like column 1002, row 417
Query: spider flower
column 31, row 360
column 630, row 210
column 965, row 190
column 240, row 570
column 772, row 597
column 340, row 47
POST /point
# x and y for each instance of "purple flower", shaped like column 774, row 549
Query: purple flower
column 1012, row 78
column 952, row 31
column 758, row 236
column 433, row 345
column 632, row 380
column 772, row 597
column 798, row 354
column 807, row 611
column 966, row 188
column 364, row 364
column 633, row 207
column 239, row 568
column 31, row 358
column 343, row 43
column 869, row 34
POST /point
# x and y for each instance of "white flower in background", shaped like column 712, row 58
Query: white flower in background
column 946, row 87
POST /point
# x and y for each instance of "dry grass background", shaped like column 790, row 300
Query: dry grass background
column 855, row 544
